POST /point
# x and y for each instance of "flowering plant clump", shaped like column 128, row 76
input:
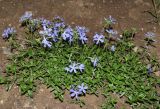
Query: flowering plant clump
column 58, row 55
column 149, row 38
column 78, row 91
column 82, row 34
column 110, row 20
column 68, row 35
column 8, row 32
column 24, row 19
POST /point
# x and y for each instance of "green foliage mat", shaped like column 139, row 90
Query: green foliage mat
column 122, row 71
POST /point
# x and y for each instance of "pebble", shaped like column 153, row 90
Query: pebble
column 1, row 101
column 6, row 51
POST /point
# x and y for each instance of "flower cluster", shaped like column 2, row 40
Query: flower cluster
column 150, row 35
column 51, row 31
column 45, row 22
column 78, row 91
column 75, row 67
column 68, row 35
column 46, row 43
column 82, row 34
column 149, row 38
column 27, row 16
column 10, row 31
column 34, row 24
column 98, row 39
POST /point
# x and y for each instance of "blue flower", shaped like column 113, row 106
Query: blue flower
column 94, row 61
column 27, row 16
column 150, row 36
column 74, row 93
column 58, row 22
column 45, row 23
column 82, row 88
column 113, row 48
column 59, row 18
column 46, row 31
column 110, row 20
column 8, row 32
column 54, row 35
column 68, row 35
column 81, row 30
column 111, row 31
column 98, row 39
column 74, row 67
column 33, row 26
column 149, row 69
column 81, row 67
column 46, row 44
column 82, row 34
column 58, row 25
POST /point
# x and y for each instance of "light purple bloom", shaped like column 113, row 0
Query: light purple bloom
column 74, row 93
column 46, row 31
column 45, row 23
column 27, row 16
column 59, row 25
column 74, row 67
column 149, row 69
column 59, row 18
column 54, row 35
column 82, row 34
column 8, row 32
column 81, row 67
column 111, row 20
column 81, row 30
column 150, row 35
column 113, row 48
column 98, row 39
column 46, row 44
column 94, row 61
column 68, row 35
column 111, row 31
column 82, row 88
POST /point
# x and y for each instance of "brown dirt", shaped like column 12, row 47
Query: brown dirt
column 89, row 13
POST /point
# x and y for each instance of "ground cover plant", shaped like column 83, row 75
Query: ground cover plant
column 59, row 56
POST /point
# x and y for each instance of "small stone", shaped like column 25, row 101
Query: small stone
column 135, row 49
column 121, row 36
column 35, row 107
column 92, row 4
column 41, row 90
column 157, row 73
column 6, row 51
column 1, row 101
